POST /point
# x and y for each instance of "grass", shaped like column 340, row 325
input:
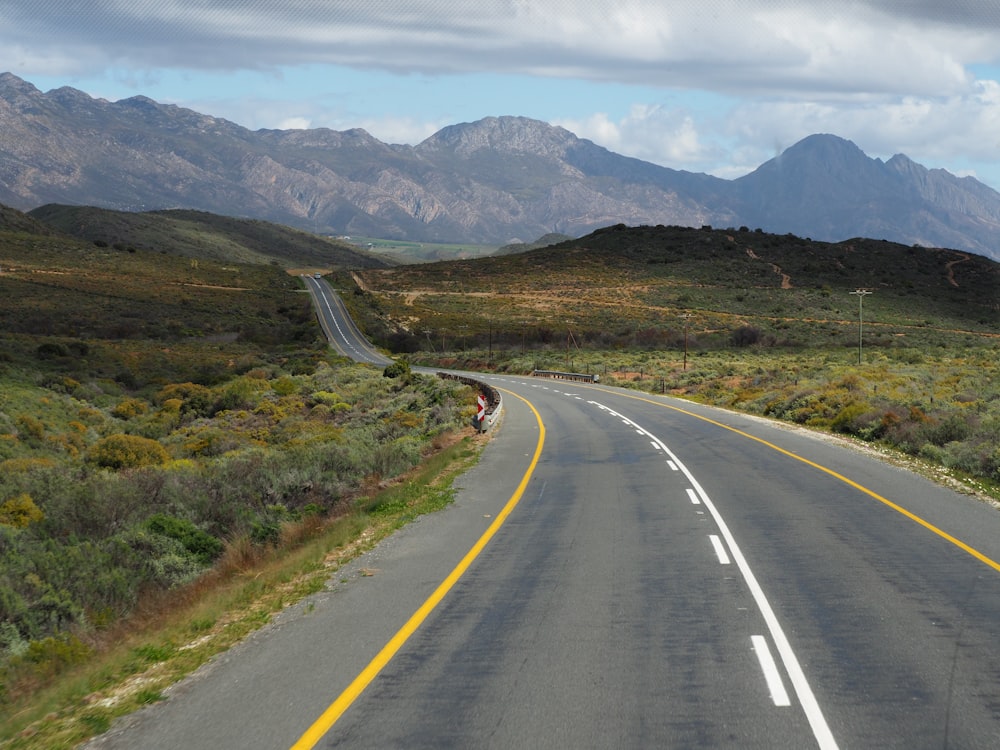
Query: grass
column 174, row 635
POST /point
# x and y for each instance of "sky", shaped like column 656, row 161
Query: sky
column 716, row 86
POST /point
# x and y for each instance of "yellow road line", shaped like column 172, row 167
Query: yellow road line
column 329, row 717
column 898, row 508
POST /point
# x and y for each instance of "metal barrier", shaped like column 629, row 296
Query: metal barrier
column 494, row 401
column 578, row 376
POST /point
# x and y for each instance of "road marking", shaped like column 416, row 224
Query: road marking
column 819, row 467
column 771, row 675
column 814, row 715
column 672, row 465
column 332, row 714
column 345, row 342
column 695, row 500
column 720, row 551
column 861, row 488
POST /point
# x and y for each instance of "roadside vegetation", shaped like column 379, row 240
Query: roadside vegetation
column 172, row 431
column 769, row 324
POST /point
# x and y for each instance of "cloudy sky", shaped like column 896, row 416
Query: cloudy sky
column 715, row 86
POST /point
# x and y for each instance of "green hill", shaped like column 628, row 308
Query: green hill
column 609, row 285
column 198, row 234
column 553, row 238
column 12, row 220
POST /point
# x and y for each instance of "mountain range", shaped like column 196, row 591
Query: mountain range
column 494, row 181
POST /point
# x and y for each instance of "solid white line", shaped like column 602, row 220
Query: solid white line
column 720, row 551
column 814, row 714
column 774, row 684
column 695, row 500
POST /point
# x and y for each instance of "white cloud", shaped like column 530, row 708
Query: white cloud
column 294, row 123
column 926, row 129
column 731, row 45
column 400, row 129
column 651, row 133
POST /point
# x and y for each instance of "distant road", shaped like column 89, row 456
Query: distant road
column 339, row 327
column 623, row 570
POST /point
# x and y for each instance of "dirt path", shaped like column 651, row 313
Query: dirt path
column 951, row 268
column 786, row 280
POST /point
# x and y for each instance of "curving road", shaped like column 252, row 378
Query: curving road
column 626, row 570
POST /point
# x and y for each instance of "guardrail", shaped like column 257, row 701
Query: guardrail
column 494, row 401
column 578, row 376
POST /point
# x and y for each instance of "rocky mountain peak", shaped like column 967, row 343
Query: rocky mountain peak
column 505, row 134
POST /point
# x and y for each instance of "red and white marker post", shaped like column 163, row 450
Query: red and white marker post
column 481, row 412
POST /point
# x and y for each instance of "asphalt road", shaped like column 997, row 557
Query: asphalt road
column 656, row 574
column 338, row 326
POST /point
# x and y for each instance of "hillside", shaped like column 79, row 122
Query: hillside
column 545, row 241
column 495, row 181
column 198, row 234
column 618, row 281
column 173, row 426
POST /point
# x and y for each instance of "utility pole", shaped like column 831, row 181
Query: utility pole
column 686, row 317
column 862, row 293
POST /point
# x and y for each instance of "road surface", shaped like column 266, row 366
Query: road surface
column 338, row 326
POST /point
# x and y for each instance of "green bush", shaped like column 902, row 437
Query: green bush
column 848, row 419
column 130, row 408
column 398, row 369
column 127, row 452
column 20, row 511
column 205, row 547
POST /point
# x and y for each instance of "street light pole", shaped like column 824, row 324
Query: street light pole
column 861, row 297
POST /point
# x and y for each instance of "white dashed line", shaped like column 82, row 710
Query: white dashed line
column 774, row 684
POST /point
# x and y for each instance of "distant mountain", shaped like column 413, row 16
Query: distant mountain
column 495, row 181
column 827, row 188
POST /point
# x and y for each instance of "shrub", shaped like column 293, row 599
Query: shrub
column 745, row 336
column 31, row 430
column 848, row 419
column 20, row 511
column 205, row 547
column 195, row 399
column 398, row 369
column 56, row 653
column 129, row 408
column 127, row 452
column 50, row 351
column 285, row 386
column 156, row 559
